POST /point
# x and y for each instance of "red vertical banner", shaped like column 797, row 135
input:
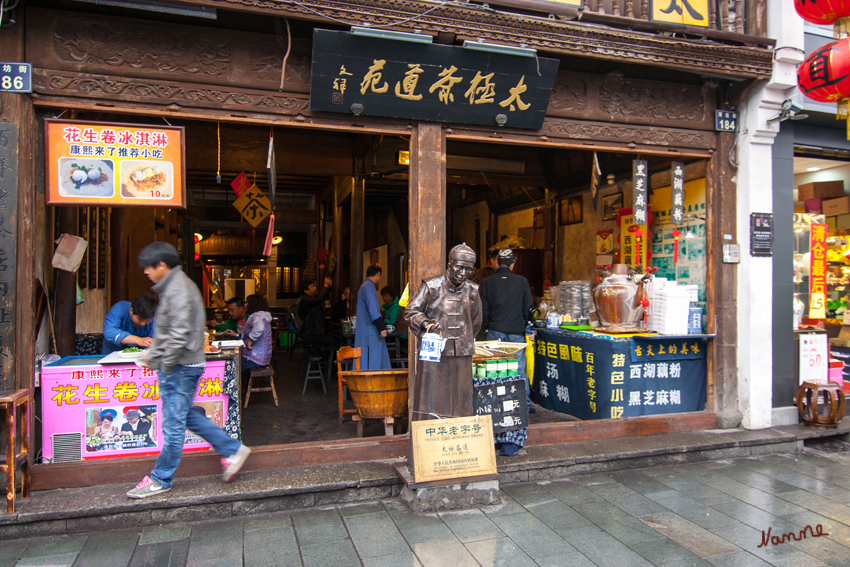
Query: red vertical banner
column 817, row 272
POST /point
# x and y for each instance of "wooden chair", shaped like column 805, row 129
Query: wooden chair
column 10, row 400
column 343, row 354
column 264, row 372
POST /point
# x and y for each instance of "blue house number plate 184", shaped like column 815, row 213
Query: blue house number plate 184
column 725, row 120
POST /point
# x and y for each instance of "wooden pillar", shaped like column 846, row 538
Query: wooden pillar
column 358, row 236
column 427, row 223
column 339, row 186
column 118, row 261
column 427, row 202
column 721, row 282
column 65, row 311
column 17, row 181
column 549, row 227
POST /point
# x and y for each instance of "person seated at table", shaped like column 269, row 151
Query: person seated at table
column 129, row 324
column 233, row 325
column 394, row 312
column 390, row 306
column 257, row 333
column 104, row 428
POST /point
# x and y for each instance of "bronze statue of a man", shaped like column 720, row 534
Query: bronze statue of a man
column 448, row 305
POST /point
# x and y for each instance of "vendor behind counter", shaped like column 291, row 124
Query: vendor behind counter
column 129, row 324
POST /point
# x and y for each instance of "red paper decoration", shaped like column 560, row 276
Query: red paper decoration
column 822, row 12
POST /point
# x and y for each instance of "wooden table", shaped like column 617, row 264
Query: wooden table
column 10, row 400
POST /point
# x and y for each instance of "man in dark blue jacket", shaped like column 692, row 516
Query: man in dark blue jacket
column 129, row 324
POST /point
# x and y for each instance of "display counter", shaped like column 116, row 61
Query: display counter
column 79, row 396
column 598, row 376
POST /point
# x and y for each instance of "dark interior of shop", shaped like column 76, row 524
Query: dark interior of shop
column 221, row 245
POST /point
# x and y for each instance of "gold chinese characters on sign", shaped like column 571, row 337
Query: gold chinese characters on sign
column 481, row 90
column 457, row 447
column 254, row 206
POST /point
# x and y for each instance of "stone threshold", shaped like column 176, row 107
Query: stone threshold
column 88, row 509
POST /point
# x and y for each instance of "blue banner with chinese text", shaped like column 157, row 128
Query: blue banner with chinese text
column 596, row 378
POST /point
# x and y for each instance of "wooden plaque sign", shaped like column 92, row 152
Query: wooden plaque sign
column 117, row 165
column 456, row 447
column 440, row 83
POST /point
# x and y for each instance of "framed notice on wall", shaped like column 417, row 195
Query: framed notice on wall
column 118, row 165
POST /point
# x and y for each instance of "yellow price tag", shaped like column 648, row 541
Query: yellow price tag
column 817, row 306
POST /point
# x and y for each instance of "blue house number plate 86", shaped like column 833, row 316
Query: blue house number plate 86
column 15, row 77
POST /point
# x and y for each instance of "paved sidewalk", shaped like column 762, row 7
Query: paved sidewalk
column 714, row 513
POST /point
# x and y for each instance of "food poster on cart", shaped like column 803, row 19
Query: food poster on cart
column 598, row 378
column 118, row 165
column 116, row 410
column 690, row 267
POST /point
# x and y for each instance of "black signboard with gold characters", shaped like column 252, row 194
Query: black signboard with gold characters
column 612, row 377
column 386, row 77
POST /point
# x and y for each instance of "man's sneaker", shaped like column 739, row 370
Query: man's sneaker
column 233, row 464
column 148, row 487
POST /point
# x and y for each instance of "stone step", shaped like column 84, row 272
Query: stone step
column 88, row 509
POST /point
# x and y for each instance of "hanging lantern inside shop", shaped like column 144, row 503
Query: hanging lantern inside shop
column 825, row 77
column 825, row 12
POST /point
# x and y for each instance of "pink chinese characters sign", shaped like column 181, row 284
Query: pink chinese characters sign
column 115, row 410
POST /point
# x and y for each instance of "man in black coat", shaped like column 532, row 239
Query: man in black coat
column 506, row 303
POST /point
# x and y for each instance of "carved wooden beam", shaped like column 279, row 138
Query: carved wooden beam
column 470, row 21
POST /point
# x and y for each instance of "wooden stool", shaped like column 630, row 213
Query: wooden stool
column 314, row 372
column 390, row 424
column 808, row 400
column 9, row 402
column 264, row 372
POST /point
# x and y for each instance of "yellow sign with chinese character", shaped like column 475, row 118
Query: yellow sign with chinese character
column 687, row 12
column 254, row 206
column 457, row 447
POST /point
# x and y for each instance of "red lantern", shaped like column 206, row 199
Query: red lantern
column 825, row 77
column 825, row 12
column 825, row 74
column 197, row 256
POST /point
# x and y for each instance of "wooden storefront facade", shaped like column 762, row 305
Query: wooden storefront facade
column 613, row 93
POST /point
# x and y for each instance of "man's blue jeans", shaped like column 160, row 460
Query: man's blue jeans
column 520, row 356
column 177, row 390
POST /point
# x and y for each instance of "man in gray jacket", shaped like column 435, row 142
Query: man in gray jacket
column 177, row 354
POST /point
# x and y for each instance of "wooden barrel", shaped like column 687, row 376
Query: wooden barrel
column 378, row 393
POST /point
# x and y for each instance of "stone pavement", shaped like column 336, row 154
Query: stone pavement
column 700, row 514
